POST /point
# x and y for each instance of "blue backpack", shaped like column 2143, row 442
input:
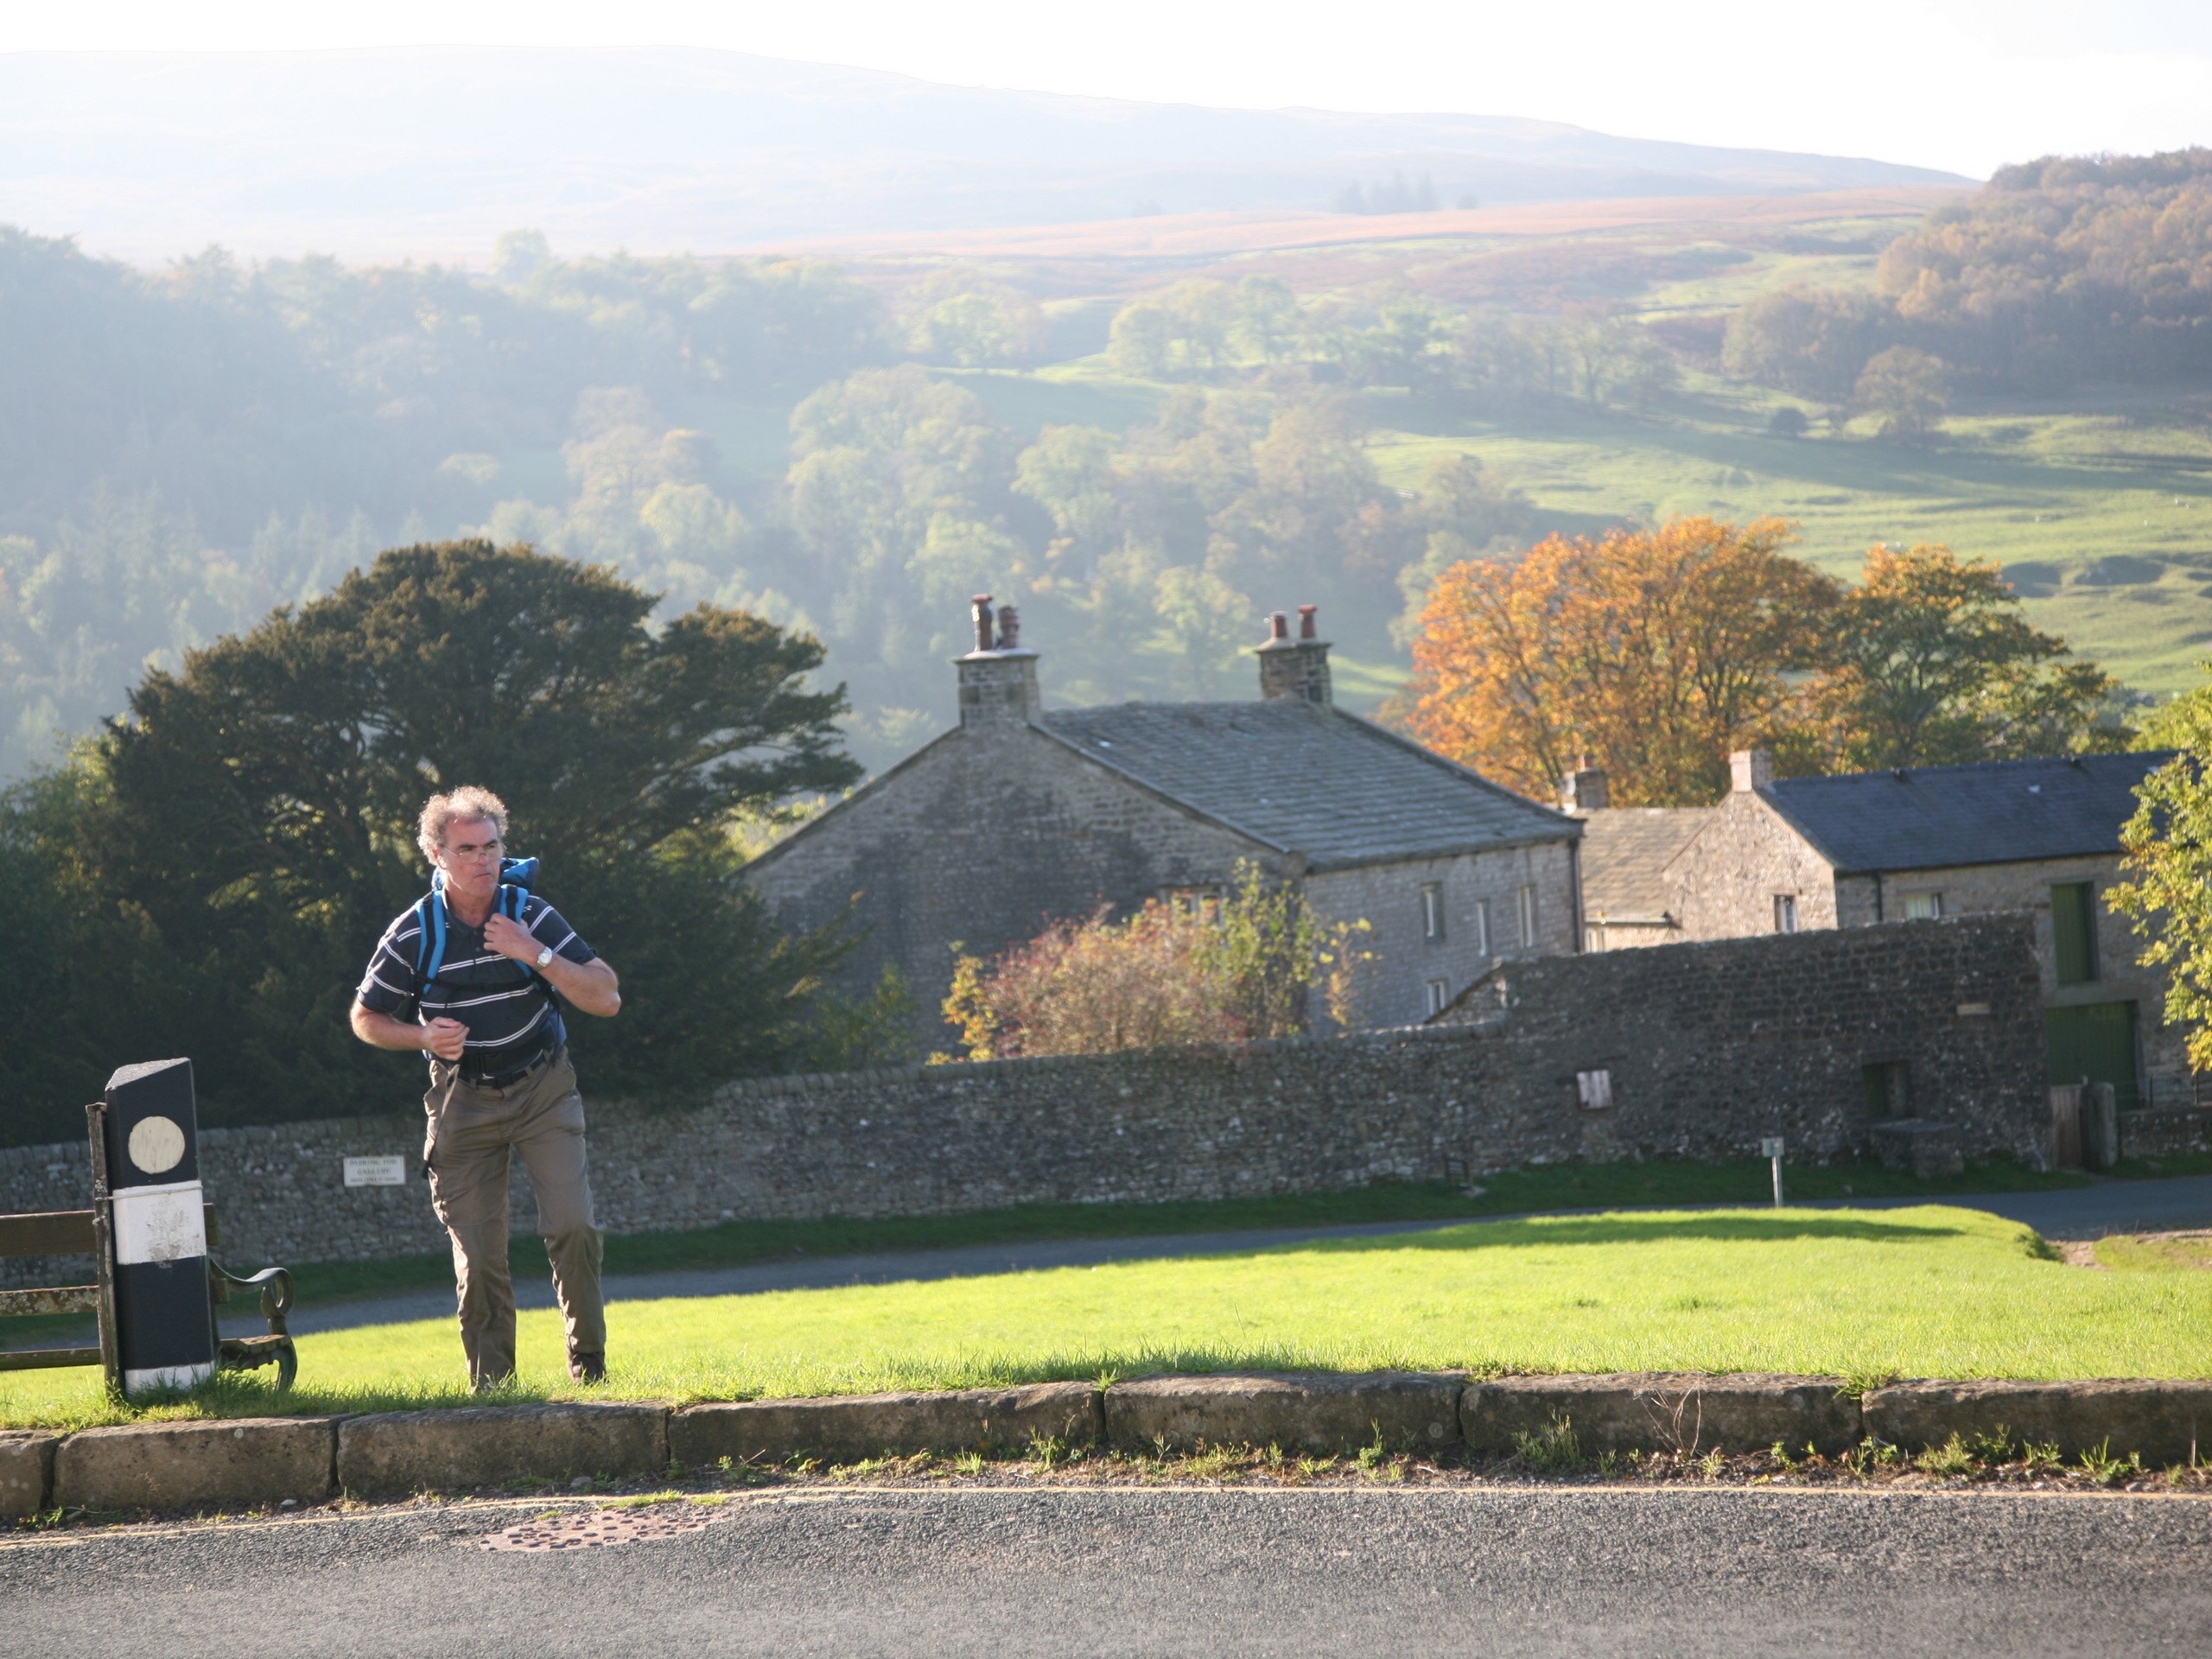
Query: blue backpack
column 515, row 876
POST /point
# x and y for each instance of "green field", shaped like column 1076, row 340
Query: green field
column 2102, row 518
column 1926, row 1291
column 2099, row 508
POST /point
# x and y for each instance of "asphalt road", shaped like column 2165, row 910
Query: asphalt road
column 1158, row 1571
column 2078, row 1212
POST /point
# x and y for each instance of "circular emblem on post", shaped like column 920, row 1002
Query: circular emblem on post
column 157, row 1144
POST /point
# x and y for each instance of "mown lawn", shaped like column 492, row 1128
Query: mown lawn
column 1926, row 1291
column 1512, row 1191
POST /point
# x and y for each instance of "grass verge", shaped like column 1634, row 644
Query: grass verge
column 1559, row 1186
column 1923, row 1291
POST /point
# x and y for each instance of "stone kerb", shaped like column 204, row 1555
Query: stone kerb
column 487, row 1446
column 260, row 1461
column 26, row 1471
column 1663, row 1411
column 1314, row 1410
column 867, row 1426
column 241, row 1461
column 2163, row 1422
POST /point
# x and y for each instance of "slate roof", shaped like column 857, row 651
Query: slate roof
column 1998, row 813
column 1307, row 780
column 1625, row 852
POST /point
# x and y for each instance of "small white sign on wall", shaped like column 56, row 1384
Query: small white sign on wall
column 1595, row 1090
column 377, row 1172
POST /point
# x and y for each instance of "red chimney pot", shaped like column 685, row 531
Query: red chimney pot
column 1305, row 628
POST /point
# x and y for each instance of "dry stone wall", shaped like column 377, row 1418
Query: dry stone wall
column 1707, row 1048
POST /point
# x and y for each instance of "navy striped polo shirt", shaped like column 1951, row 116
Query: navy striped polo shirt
column 512, row 1015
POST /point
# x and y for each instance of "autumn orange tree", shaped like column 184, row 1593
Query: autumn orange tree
column 1654, row 651
column 1657, row 652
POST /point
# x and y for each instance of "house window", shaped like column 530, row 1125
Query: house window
column 1482, row 927
column 1432, row 912
column 1924, row 907
column 1439, row 995
column 2074, row 930
column 1785, row 912
column 1203, row 903
column 1528, row 918
column 1595, row 1090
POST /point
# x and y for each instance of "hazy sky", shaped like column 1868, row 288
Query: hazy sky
column 1961, row 84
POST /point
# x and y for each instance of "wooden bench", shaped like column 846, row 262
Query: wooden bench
column 84, row 1232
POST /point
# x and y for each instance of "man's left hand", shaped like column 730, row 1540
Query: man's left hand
column 512, row 939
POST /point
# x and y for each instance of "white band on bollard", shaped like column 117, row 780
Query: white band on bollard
column 160, row 1224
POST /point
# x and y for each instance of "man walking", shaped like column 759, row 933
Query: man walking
column 468, row 975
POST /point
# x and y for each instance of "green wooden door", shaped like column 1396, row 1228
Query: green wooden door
column 2096, row 1041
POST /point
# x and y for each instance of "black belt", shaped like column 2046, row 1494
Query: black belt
column 507, row 1079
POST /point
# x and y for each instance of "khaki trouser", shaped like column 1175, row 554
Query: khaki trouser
column 465, row 1146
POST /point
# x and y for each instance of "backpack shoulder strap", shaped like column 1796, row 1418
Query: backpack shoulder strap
column 512, row 902
column 431, row 942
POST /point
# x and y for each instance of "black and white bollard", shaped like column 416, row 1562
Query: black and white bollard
column 165, row 1334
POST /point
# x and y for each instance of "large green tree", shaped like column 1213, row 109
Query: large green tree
column 2167, row 855
column 233, row 847
column 1928, row 662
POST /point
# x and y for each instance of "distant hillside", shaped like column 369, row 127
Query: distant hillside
column 426, row 153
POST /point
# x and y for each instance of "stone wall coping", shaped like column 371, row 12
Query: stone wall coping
column 251, row 1461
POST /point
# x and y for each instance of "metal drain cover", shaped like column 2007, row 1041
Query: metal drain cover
column 595, row 1529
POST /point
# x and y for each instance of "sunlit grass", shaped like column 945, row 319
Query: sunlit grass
column 1927, row 1291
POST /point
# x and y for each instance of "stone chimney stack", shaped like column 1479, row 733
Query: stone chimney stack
column 998, row 679
column 1584, row 788
column 1749, row 770
column 1295, row 668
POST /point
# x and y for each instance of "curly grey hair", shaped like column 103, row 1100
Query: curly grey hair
column 462, row 806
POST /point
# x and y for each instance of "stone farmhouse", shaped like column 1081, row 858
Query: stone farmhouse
column 2040, row 837
column 1022, row 816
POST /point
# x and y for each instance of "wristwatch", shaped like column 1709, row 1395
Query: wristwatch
column 544, row 956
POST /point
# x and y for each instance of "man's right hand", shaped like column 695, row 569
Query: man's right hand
column 442, row 1037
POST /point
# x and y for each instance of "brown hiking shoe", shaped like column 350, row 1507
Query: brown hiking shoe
column 588, row 1367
